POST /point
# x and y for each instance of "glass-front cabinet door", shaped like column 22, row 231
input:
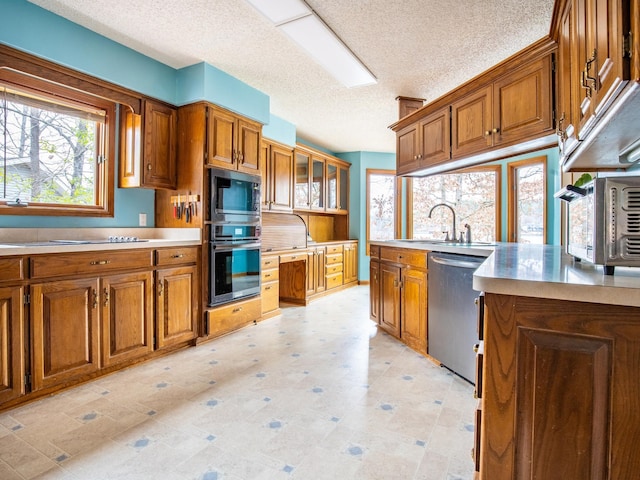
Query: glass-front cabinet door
column 317, row 183
column 337, row 187
column 302, row 179
column 332, row 186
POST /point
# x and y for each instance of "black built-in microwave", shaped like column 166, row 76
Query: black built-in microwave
column 234, row 195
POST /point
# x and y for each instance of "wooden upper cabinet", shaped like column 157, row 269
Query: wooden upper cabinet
column 506, row 110
column 277, row 176
column 160, row 125
column 233, row 142
column 516, row 107
column 471, row 120
column 337, row 187
column 522, row 103
column 428, row 142
column 148, row 147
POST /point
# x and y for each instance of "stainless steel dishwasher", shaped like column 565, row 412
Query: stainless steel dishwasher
column 452, row 315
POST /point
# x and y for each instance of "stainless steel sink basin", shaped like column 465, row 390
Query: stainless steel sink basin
column 446, row 242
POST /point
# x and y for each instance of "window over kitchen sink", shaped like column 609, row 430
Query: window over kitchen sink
column 473, row 193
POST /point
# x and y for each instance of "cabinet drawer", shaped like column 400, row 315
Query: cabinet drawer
column 11, row 269
column 334, row 268
column 334, row 280
column 270, row 275
column 405, row 256
column 230, row 317
column 176, row 256
column 334, row 249
column 374, row 251
column 293, row 257
column 270, row 293
column 268, row 262
column 332, row 258
column 89, row 263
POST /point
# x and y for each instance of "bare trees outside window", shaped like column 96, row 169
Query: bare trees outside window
column 48, row 150
column 381, row 205
column 474, row 194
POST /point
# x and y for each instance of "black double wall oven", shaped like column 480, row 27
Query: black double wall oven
column 234, row 243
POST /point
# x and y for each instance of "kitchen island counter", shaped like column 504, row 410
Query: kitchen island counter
column 546, row 271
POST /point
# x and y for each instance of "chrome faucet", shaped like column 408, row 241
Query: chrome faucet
column 453, row 213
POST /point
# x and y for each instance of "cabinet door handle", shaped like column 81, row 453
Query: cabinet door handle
column 100, row 262
column 160, row 288
column 487, row 133
column 106, row 296
column 149, row 167
column 95, row 298
column 496, row 130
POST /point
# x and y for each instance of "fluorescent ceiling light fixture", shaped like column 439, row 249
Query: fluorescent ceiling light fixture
column 303, row 26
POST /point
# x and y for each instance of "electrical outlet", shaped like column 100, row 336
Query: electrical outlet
column 142, row 220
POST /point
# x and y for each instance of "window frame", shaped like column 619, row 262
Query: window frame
column 498, row 196
column 25, row 71
column 397, row 216
column 512, row 200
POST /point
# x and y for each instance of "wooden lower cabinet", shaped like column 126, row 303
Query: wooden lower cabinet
column 176, row 305
column 64, row 328
column 560, row 390
column 316, row 279
column 233, row 316
column 126, row 317
column 12, row 361
column 390, row 298
column 413, row 308
column 270, row 288
column 350, row 255
column 398, row 294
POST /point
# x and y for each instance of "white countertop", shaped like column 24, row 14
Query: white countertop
column 31, row 241
column 542, row 271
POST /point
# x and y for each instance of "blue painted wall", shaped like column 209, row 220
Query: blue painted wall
column 280, row 130
column 32, row 29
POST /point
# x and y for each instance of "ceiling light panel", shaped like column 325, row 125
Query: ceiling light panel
column 303, row 26
column 280, row 11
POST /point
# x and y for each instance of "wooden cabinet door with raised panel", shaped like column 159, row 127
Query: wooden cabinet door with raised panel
column 160, row 129
column 248, row 147
column 560, row 390
column 12, row 359
column 221, row 139
column 523, row 103
column 435, row 138
column 64, row 329
column 471, row 123
column 321, row 279
column 176, row 305
column 390, row 298
column 414, row 309
column 407, row 149
column 127, row 317
column 374, row 291
column 281, row 173
column 350, row 263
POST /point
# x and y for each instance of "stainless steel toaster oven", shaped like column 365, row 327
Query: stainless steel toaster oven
column 603, row 221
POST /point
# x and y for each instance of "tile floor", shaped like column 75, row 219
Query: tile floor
column 316, row 393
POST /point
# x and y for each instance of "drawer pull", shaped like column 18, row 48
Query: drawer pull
column 268, row 288
column 476, row 347
column 236, row 310
column 267, row 275
column 179, row 255
column 268, row 263
column 100, row 262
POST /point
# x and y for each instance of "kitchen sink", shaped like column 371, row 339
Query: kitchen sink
column 446, row 242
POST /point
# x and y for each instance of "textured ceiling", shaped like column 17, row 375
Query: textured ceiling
column 415, row 48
